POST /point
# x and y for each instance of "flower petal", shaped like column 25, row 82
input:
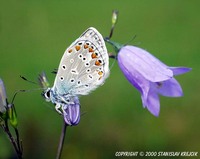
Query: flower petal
column 3, row 97
column 153, row 102
column 180, row 70
column 135, row 78
column 170, row 88
column 145, row 63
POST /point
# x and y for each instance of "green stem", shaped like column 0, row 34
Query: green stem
column 62, row 138
column 13, row 142
column 19, row 143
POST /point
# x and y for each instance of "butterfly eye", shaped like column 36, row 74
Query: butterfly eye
column 47, row 95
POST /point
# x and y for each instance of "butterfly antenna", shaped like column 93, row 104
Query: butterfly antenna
column 16, row 94
column 25, row 79
column 23, row 90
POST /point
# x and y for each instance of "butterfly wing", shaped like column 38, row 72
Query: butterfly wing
column 84, row 65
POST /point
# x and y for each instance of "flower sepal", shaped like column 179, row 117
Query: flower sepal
column 116, row 46
column 12, row 115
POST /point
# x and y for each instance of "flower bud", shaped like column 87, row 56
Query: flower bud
column 71, row 112
column 3, row 98
column 12, row 115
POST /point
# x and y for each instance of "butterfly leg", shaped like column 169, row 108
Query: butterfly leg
column 58, row 108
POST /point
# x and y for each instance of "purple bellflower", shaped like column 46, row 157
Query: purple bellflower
column 3, row 97
column 148, row 75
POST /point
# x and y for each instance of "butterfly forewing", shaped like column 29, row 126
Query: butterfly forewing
column 84, row 65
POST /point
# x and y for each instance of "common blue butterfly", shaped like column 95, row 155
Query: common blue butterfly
column 83, row 67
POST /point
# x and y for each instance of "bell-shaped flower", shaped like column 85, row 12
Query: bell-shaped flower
column 3, row 98
column 71, row 112
column 149, row 76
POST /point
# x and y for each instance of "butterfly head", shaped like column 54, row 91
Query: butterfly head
column 43, row 81
column 47, row 94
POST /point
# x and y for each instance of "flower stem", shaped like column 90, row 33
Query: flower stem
column 62, row 138
column 114, row 22
column 19, row 143
column 13, row 141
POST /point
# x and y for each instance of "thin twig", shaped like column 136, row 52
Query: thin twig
column 62, row 138
column 111, row 32
column 19, row 143
column 12, row 140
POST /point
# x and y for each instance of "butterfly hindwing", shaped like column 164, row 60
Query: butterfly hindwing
column 84, row 65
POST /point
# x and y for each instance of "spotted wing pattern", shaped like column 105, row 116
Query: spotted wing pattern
column 84, row 65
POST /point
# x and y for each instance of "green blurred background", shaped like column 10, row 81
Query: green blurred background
column 34, row 35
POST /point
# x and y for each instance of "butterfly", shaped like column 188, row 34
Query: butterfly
column 84, row 66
